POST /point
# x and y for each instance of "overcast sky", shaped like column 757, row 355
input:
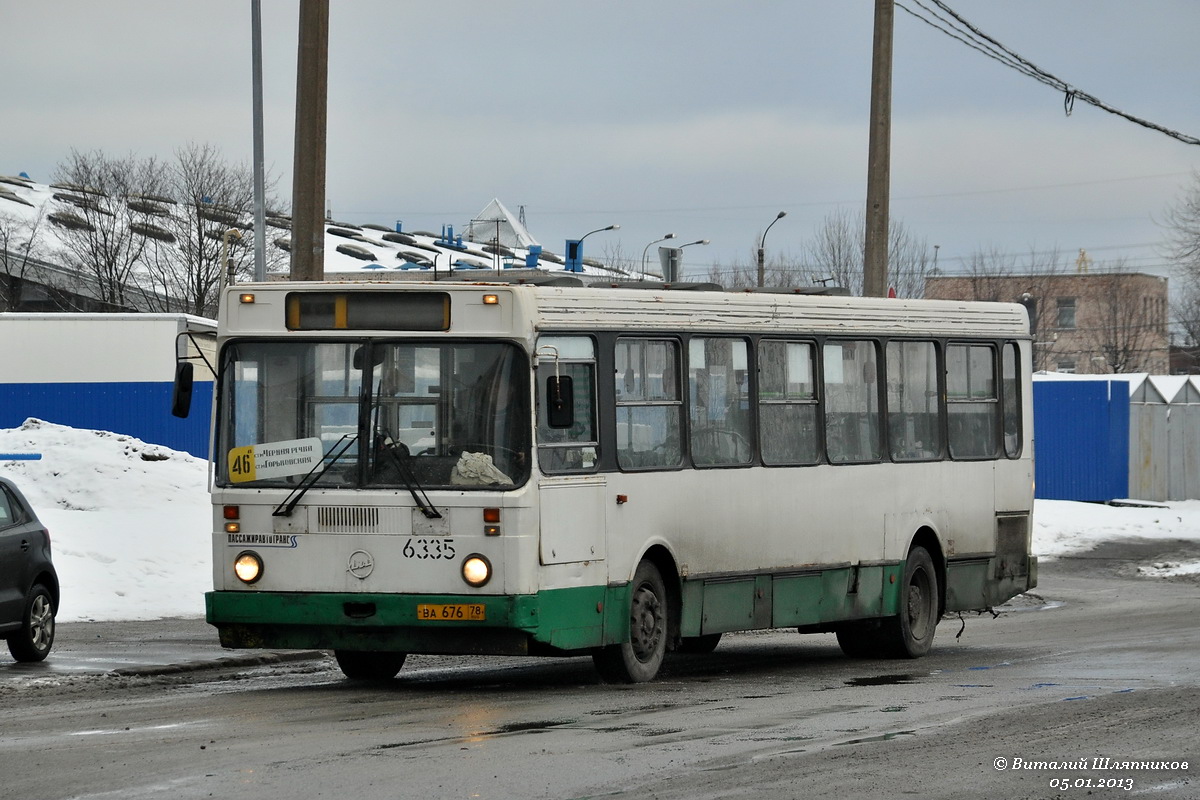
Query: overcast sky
column 699, row 118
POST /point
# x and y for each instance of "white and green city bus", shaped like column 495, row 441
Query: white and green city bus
column 493, row 468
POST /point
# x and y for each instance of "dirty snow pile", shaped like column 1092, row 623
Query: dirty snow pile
column 130, row 522
column 1061, row 527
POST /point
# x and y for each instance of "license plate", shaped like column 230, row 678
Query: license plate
column 467, row 612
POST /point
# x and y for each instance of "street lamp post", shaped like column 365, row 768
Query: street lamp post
column 647, row 248
column 677, row 267
column 574, row 249
column 762, row 264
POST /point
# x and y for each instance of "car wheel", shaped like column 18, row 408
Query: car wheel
column 36, row 636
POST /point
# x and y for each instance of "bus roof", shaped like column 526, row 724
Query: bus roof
column 666, row 308
column 562, row 308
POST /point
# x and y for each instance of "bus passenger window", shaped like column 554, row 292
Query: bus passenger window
column 649, row 406
column 852, row 402
column 971, row 402
column 1010, row 363
column 787, row 403
column 719, row 402
column 914, row 424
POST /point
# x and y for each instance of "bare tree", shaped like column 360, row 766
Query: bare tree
column 779, row 269
column 1128, row 335
column 1183, row 227
column 1182, row 222
column 204, row 216
column 834, row 256
column 836, row 251
column 100, row 235
column 615, row 259
column 20, row 247
column 996, row 276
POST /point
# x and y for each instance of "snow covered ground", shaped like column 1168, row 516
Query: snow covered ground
column 130, row 522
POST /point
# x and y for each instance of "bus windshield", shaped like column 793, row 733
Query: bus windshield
column 431, row 414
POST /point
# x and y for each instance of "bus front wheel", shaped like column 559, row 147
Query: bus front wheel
column 639, row 659
column 358, row 665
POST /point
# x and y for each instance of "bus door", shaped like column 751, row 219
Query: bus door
column 571, row 493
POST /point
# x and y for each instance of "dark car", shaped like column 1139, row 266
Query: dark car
column 28, row 582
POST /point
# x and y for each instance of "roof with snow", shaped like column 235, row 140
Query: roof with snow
column 376, row 250
column 496, row 224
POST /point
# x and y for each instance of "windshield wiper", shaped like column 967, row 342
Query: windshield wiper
column 393, row 449
column 284, row 509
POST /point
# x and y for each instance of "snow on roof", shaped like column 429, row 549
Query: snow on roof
column 376, row 250
column 497, row 222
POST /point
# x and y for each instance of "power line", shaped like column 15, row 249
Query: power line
column 954, row 25
column 559, row 212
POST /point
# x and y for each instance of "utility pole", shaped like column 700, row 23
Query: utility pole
column 308, row 171
column 875, row 249
column 260, row 225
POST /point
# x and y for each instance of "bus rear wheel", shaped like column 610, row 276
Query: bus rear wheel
column 359, row 665
column 910, row 633
column 639, row 659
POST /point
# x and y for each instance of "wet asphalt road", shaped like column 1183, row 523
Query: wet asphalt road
column 1099, row 664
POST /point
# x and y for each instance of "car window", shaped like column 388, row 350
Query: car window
column 10, row 510
column 6, row 508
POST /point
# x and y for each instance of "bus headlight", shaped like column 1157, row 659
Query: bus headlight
column 476, row 570
column 248, row 566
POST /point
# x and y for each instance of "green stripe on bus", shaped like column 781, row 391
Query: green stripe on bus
column 567, row 619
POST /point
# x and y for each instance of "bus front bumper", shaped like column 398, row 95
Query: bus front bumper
column 547, row 622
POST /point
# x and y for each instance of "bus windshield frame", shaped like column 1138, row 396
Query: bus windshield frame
column 443, row 414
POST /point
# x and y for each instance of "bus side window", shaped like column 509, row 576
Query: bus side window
column 1011, row 386
column 719, row 401
column 649, row 404
column 787, row 403
column 914, row 424
column 566, row 442
column 852, row 427
column 971, row 402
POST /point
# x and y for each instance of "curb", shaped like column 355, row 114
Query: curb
column 226, row 662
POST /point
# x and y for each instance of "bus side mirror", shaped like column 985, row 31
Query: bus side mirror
column 181, row 395
column 560, row 401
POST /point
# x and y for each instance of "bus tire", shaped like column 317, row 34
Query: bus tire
column 910, row 633
column 700, row 645
column 359, row 665
column 639, row 659
column 859, row 640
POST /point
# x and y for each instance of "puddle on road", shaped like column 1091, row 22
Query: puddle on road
column 522, row 727
column 882, row 680
column 886, row 737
